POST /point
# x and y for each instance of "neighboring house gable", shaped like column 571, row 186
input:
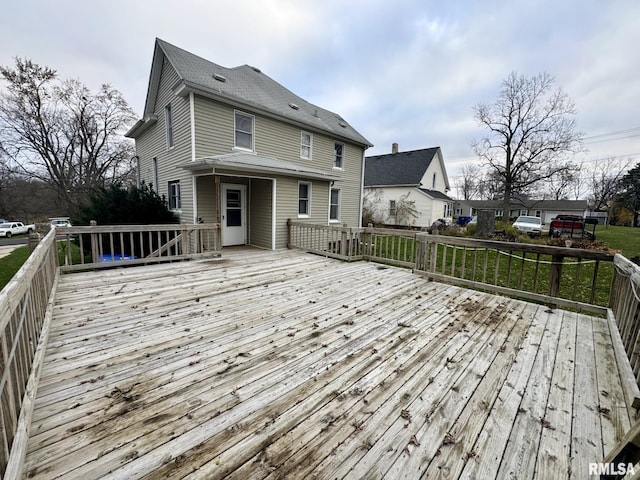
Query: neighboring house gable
column 233, row 138
column 417, row 176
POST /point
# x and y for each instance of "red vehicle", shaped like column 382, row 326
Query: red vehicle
column 571, row 225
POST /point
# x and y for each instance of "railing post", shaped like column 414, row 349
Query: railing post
column 556, row 274
column 343, row 243
column 94, row 243
column 289, row 233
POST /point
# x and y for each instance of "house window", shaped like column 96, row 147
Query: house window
column 244, row 131
column 458, row 211
column 304, row 199
column 499, row 213
column 392, row 208
column 334, row 205
column 447, row 210
column 306, row 144
column 154, row 164
column 524, row 212
column 538, row 213
column 433, row 182
column 338, row 150
column 168, row 119
column 174, row 195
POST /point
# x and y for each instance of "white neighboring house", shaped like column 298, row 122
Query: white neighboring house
column 416, row 176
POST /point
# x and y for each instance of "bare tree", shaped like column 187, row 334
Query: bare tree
column 531, row 131
column 406, row 211
column 61, row 133
column 372, row 209
column 604, row 182
column 490, row 186
column 469, row 183
column 563, row 184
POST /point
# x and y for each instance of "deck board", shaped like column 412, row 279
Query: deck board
column 271, row 365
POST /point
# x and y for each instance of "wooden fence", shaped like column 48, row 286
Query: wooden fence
column 25, row 307
column 118, row 245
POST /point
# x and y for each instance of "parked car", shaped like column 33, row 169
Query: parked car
column 60, row 222
column 8, row 229
column 530, row 225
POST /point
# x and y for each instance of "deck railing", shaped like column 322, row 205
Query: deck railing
column 118, row 245
column 566, row 277
column 625, row 306
column 391, row 246
column 25, row 304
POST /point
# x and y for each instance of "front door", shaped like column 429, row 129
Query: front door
column 234, row 215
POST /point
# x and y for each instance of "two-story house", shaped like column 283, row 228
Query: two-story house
column 232, row 146
column 416, row 177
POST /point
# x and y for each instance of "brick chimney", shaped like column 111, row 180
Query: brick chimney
column 394, row 148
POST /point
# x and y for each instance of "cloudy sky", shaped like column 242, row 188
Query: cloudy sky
column 405, row 71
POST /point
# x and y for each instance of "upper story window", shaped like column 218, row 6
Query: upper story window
column 244, row 131
column 175, row 202
column 392, row 208
column 433, row 182
column 306, row 145
column 168, row 120
column 304, row 199
column 338, row 152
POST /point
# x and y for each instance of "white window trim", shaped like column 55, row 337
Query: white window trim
column 308, row 214
column 154, row 173
column 174, row 182
column 335, row 220
column 334, row 156
column 302, row 135
column 253, row 131
column 168, row 124
column 393, row 206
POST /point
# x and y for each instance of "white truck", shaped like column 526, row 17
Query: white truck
column 9, row 229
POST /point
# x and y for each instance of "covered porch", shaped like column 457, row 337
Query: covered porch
column 252, row 196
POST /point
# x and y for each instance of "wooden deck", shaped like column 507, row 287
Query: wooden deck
column 283, row 365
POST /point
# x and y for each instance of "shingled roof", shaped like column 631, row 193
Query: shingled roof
column 394, row 169
column 244, row 86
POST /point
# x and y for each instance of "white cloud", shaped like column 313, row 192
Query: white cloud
column 407, row 71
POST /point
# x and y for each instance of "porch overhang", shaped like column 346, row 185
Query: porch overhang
column 252, row 163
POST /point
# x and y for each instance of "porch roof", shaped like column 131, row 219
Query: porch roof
column 250, row 162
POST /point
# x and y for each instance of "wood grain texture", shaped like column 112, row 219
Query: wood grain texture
column 271, row 365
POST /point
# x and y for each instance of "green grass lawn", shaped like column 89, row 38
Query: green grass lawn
column 624, row 239
column 10, row 264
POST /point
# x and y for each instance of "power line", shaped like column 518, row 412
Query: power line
column 629, row 130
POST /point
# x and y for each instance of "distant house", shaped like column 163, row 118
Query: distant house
column 545, row 209
column 232, row 146
column 416, row 176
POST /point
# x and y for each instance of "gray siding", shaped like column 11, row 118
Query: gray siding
column 152, row 143
column 215, row 136
column 260, row 207
column 206, row 189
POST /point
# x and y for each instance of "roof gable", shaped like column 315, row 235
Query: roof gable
column 245, row 86
column 402, row 168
